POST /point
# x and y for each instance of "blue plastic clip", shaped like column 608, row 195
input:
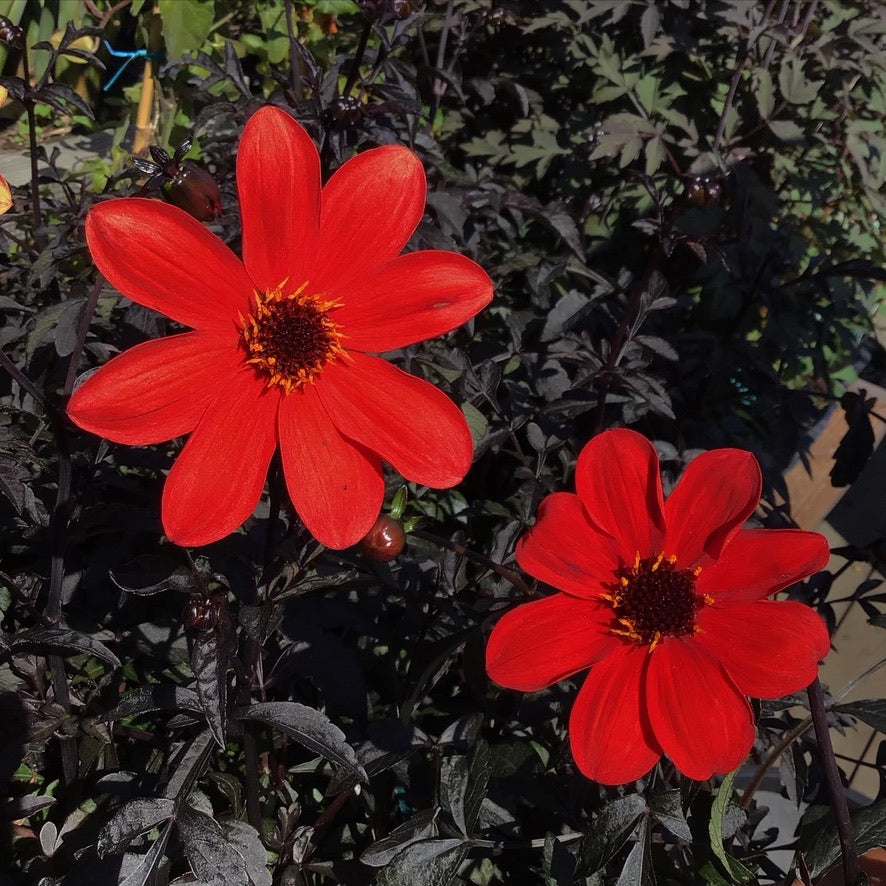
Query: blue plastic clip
column 129, row 56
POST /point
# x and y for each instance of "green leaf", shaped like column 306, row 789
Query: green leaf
column 793, row 83
column 787, row 131
column 764, row 93
column 186, row 24
column 738, row 871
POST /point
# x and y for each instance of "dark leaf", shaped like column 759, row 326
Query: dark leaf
column 667, row 807
column 131, row 820
column 209, row 662
column 308, row 727
column 871, row 711
column 147, row 867
column 425, row 863
column 420, row 827
column 869, row 824
column 60, row 641
column 611, row 830
column 150, row 574
column 63, row 99
column 160, row 697
column 214, row 861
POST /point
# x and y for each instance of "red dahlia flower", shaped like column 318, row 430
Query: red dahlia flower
column 664, row 601
column 281, row 352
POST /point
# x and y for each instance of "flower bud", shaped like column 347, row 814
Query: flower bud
column 196, row 191
column 385, row 541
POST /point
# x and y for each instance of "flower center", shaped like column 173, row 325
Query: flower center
column 653, row 599
column 289, row 337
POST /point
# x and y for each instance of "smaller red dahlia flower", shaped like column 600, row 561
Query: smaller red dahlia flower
column 282, row 352
column 664, row 601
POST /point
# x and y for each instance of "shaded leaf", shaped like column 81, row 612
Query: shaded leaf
column 214, row 860
column 420, row 827
column 131, row 820
column 60, row 641
column 427, row 862
column 308, row 727
column 160, row 697
column 210, row 666
column 871, row 711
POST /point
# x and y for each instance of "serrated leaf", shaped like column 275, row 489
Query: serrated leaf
column 793, row 83
column 308, row 727
column 212, row 858
column 131, row 820
column 161, row 697
column 60, row 641
column 425, row 863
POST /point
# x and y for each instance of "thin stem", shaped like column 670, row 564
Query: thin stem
column 354, row 71
column 36, row 211
column 839, row 805
column 23, row 381
column 503, row 571
column 58, row 530
column 294, row 60
column 621, row 334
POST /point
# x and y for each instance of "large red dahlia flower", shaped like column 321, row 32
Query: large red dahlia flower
column 281, row 352
column 664, row 601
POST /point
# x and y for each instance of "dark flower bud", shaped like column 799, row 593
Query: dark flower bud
column 347, row 110
column 196, row 191
column 385, row 541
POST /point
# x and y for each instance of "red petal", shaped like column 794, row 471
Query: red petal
column 618, row 482
column 160, row 257
column 759, row 562
column 278, row 181
column 541, row 642
column 412, row 298
column 371, row 206
column 769, row 649
column 704, row 724
column 413, row 426
column 565, row 550
column 156, row 390
column 217, row 480
column 609, row 728
column 716, row 494
column 336, row 486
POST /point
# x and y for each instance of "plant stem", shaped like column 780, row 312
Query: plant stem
column 36, row 211
column 503, row 571
column 294, row 60
column 835, row 786
column 354, row 71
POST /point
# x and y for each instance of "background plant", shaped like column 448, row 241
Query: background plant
column 679, row 204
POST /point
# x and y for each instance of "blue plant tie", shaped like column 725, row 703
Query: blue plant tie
column 129, row 56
